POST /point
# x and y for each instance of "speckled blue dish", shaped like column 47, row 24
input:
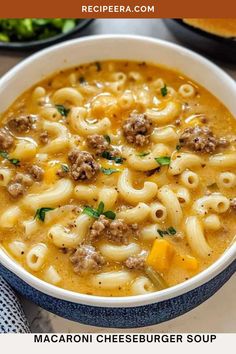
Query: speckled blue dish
column 131, row 311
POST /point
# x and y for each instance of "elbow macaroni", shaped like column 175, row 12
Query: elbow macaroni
column 132, row 195
column 196, row 237
column 36, row 257
column 170, row 200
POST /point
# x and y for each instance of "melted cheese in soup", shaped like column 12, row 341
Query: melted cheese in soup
column 117, row 178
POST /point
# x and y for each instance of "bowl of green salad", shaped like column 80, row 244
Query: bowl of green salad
column 30, row 33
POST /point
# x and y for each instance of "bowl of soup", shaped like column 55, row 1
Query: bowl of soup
column 118, row 180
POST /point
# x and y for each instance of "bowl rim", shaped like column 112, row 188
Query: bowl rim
column 130, row 301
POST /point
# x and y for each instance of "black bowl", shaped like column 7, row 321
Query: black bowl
column 48, row 41
column 214, row 46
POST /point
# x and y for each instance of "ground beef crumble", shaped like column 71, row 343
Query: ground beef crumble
column 83, row 165
column 114, row 230
column 86, row 259
column 136, row 263
column 19, row 184
column 36, row 173
column 99, row 226
column 22, row 123
column 98, row 143
column 16, row 189
column 137, row 129
column 201, row 139
column 118, row 231
column 6, row 140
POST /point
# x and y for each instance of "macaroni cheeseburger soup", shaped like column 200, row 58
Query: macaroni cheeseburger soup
column 117, row 178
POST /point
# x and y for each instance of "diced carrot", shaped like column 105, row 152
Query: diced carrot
column 161, row 255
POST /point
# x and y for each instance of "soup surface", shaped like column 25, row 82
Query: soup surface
column 117, row 178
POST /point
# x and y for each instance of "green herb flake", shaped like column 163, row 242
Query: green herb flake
column 65, row 168
column 143, row 154
column 118, row 160
column 95, row 213
column 41, row 213
column 108, row 156
column 170, row 231
column 101, row 207
column 178, row 147
column 164, row 90
column 107, row 138
column 91, row 212
column 14, row 161
column 108, row 171
column 162, row 232
column 4, row 154
column 110, row 214
column 163, row 160
column 62, row 110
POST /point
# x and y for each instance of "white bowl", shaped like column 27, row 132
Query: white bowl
column 98, row 48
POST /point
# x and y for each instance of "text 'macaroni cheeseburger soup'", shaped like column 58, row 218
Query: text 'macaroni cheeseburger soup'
column 117, row 178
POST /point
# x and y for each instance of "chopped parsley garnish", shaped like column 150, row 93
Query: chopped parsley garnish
column 164, row 90
column 62, row 110
column 14, row 161
column 65, row 168
column 143, row 154
column 108, row 156
column 98, row 66
column 107, row 138
column 162, row 232
column 41, row 213
column 170, row 231
column 95, row 213
column 4, row 154
column 108, row 171
column 91, row 212
column 178, row 147
column 101, row 207
column 163, row 160
column 110, row 214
